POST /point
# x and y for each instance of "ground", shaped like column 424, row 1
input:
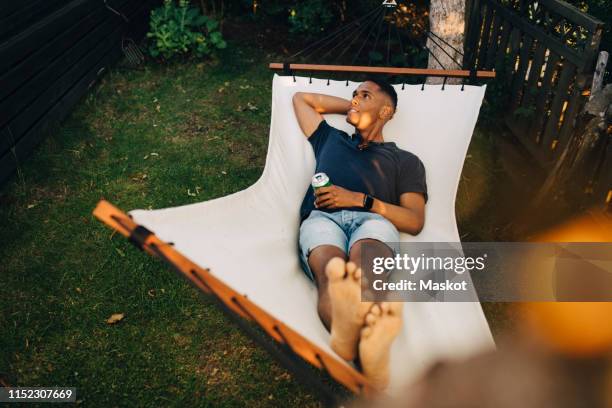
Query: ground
column 154, row 137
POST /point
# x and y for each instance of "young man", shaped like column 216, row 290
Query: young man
column 377, row 190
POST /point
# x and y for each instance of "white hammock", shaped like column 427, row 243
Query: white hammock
column 249, row 239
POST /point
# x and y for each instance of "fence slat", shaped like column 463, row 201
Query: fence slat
column 519, row 77
column 525, row 99
column 539, row 34
column 576, row 102
column 543, row 95
column 493, row 43
column 535, row 72
column 514, row 44
column 503, row 45
column 486, row 29
column 551, row 131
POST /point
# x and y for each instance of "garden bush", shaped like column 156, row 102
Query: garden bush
column 179, row 29
column 311, row 18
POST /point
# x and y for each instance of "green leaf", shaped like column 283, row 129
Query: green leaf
column 200, row 20
column 211, row 25
column 216, row 37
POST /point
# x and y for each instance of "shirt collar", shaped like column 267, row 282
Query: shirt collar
column 357, row 138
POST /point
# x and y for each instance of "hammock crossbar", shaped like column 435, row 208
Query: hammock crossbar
column 447, row 73
column 234, row 302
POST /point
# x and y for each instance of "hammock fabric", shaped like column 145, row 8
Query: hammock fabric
column 242, row 248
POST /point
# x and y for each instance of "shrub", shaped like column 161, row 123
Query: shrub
column 182, row 30
column 311, row 18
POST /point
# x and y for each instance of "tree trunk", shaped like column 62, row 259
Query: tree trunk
column 447, row 22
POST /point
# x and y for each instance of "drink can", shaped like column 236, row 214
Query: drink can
column 320, row 180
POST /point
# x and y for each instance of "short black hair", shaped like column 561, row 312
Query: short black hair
column 385, row 87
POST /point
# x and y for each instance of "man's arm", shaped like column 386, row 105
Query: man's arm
column 309, row 107
column 408, row 217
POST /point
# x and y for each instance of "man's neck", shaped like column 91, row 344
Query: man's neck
column 373, row 130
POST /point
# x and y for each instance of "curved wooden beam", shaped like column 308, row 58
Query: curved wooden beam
column 205, row 281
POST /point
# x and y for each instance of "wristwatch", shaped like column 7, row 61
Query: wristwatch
column 368, row 201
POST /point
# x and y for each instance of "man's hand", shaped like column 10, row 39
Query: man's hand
column 408, row 217
column 310, row 106
column 337, row 197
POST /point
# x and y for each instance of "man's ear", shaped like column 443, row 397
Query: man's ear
column 386, row 112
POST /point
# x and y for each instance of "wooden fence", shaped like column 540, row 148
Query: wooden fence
column 544, row 52
column 51, row 52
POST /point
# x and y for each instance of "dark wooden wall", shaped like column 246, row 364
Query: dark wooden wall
column 51, row 53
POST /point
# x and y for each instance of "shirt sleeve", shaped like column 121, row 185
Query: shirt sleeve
column 319, row 137
column 412, row 177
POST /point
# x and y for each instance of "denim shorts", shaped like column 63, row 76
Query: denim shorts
column 342, row 229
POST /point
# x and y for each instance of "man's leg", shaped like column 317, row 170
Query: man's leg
column 321, row 239
column 383, row 321
column 318, row 260
column 339, row 306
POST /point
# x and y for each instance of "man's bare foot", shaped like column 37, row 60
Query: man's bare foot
column 382, row 324
column 348, row 312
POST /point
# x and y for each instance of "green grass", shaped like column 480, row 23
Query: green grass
column 144, row 138
column 140, row 139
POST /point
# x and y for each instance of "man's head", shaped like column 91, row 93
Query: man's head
column 373, row 101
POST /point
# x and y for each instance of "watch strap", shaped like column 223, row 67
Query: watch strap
column 368, row 201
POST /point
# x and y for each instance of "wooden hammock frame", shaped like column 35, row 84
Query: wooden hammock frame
column 234, row 302
column 446, row 73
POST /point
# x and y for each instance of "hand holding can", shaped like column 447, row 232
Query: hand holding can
column 320, row 180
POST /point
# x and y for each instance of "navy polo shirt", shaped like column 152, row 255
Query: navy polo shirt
column 382, row 170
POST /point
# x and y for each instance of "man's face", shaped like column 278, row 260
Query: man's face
column 369, row 104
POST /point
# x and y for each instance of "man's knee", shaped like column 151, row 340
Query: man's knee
column 372, row 245
column 367, row 248
column 321, row 255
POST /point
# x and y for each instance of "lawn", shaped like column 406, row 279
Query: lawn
column 152, row 137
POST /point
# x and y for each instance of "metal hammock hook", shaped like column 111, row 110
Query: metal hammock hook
column 463, row 84
column 444, row 83
column 327, row 81
column 423, row 86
